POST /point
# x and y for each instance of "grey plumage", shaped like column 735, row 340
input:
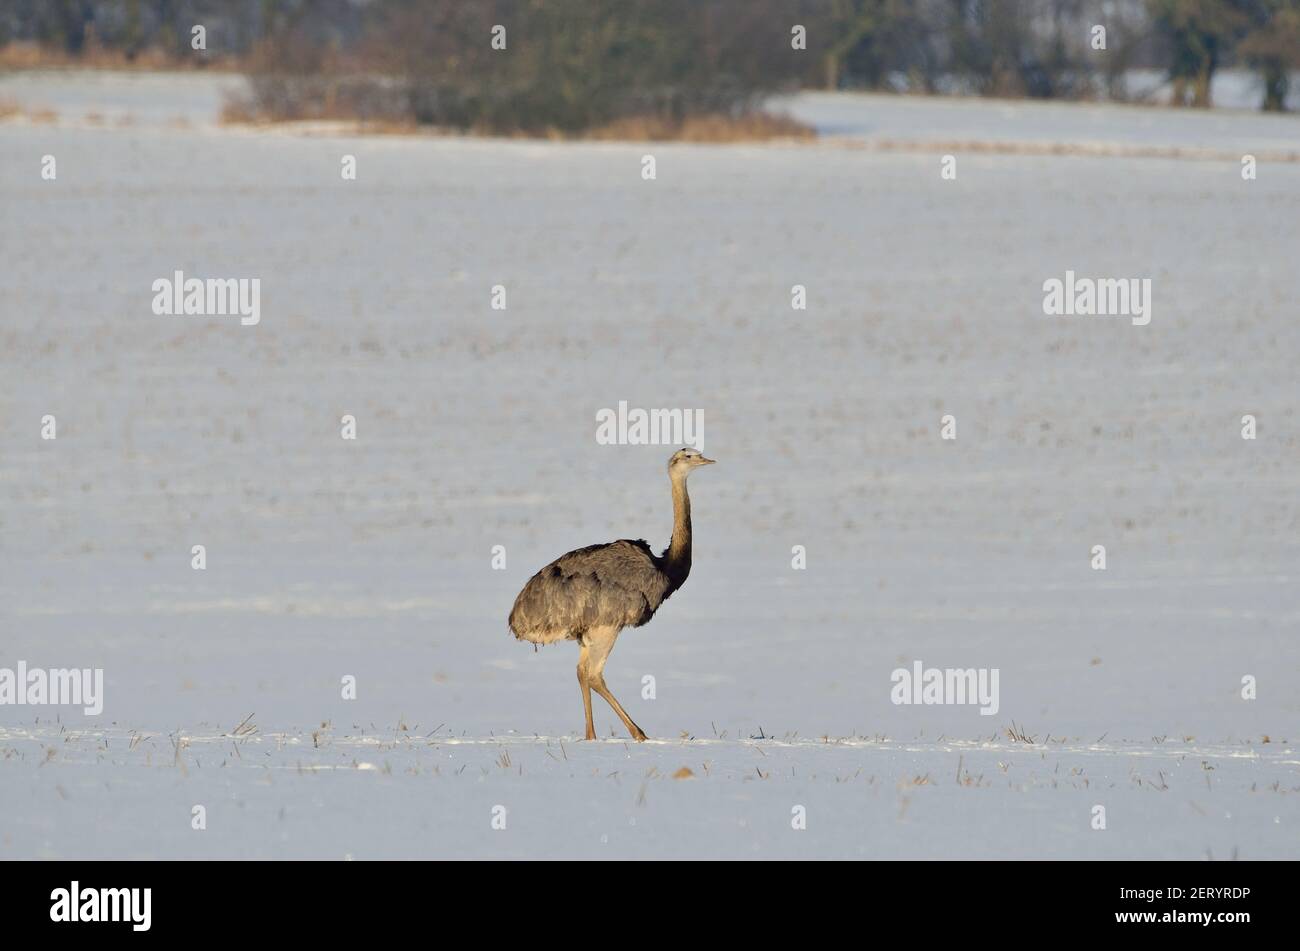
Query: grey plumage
column 592, row 593
column 621, row 583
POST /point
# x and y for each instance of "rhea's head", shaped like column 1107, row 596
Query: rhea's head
column 684, row 461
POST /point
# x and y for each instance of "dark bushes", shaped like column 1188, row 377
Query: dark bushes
column 568, row 66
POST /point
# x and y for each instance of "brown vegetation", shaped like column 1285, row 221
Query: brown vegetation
column 10, row 110
column 24, row 55
column 750, row 127
column 713, row 128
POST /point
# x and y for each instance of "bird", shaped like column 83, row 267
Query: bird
column 590, row 594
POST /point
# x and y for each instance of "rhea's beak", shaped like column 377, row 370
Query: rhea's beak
column 707, row 462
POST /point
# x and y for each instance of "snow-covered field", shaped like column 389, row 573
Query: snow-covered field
column 476, row 428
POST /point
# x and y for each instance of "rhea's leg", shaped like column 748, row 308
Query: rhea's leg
column 599, row 686
column 586, row 690
column 600, row 642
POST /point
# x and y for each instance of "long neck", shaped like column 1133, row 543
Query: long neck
column 678, row 556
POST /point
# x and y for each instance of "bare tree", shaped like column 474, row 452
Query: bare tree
column 1198, row 33
column 1273, row 48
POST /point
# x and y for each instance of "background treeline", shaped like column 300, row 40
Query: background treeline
column 574, row 65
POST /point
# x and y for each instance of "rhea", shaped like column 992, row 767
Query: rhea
column 592, row 593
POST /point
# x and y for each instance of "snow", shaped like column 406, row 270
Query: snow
column 476, row 428
column 420, row 794
column 919, row 120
